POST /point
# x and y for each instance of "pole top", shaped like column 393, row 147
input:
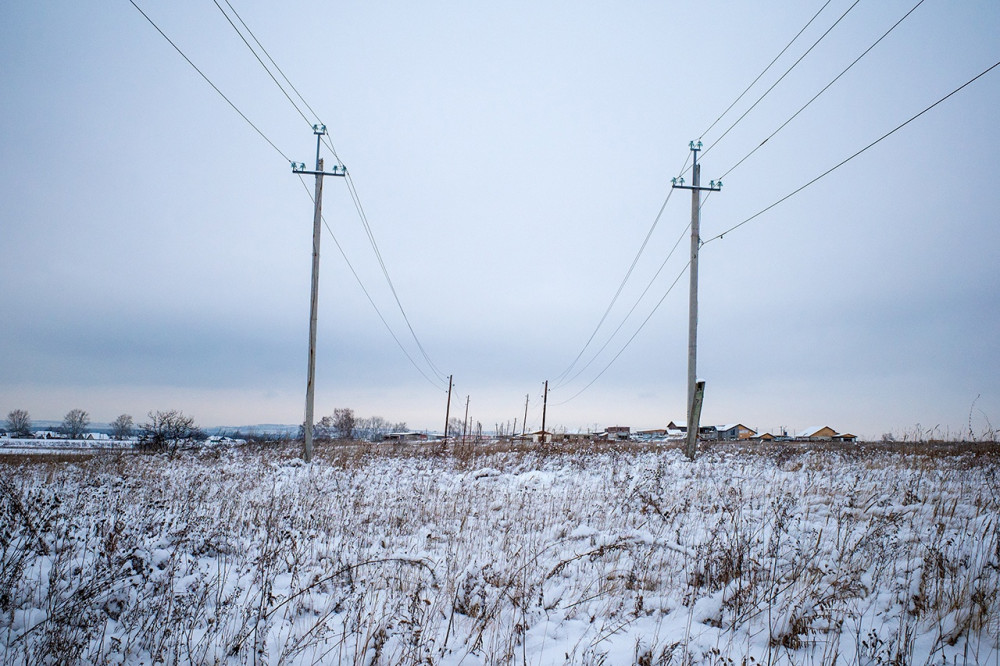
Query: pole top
column 695, row 145
column 319, row 129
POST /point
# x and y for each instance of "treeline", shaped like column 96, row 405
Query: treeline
column 344, row 425
column 172, row 429
column 164, row 430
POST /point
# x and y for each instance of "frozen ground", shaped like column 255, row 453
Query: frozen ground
column 418, row 556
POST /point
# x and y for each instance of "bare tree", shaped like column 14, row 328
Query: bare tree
column 455, row 426
column 169, row 431
column 324, row 429
column 122, row 427
column 370, row 428
column 344, row 422
column 74, row 424
column 19, row 423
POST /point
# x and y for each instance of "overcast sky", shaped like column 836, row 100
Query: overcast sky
column 511, row 158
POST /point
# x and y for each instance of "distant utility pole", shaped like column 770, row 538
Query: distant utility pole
column 545, row 405
column 465, row 422
column 300, row 168
column 447, row 410
column 693, row 410
column 524, row 425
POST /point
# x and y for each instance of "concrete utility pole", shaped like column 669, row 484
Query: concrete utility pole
column 300, row 168
column 465, row 422
column 693, row 410
column 545, row 405
column 524, row 425
column 447, row 410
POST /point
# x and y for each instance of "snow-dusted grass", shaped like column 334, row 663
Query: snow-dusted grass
column 602, row 555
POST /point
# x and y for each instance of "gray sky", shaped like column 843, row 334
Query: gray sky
column 510, row 157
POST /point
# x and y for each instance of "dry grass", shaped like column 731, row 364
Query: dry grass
column 425, row 554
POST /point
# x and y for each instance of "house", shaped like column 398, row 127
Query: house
column 763, row 437
column 704, row 432
column 708, row 432
column 735, row 431
column 618, row 432
column 825, row 434
column 816, row 433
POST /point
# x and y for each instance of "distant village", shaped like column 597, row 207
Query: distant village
column 674, row 431
column 677, row 430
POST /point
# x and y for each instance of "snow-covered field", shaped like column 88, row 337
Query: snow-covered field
column 604, row 555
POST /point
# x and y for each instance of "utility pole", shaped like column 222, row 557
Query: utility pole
column 693, row 410
column 447, row 410
column 524, row 425
column 300, row 168
column 465, row 422
column 545, row 405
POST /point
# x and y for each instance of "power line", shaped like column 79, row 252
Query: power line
column 621, row 286
column 209, row 81
column 764, row 71
column 367, row 295
column 794, row 115
column 634, row 306
column 842, row 163
column 326, row 138
column 329, row 143
column 614, row 299
column 280, row 71
column 629, row 341
column 385, row 272
column 251, row 49
column 781, row 78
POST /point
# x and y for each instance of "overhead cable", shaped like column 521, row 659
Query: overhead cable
column 845, row 161
column 255, row 55
column 614, row 299
column 280, row 71
column 634, row 305
column 209, row 81
column 836, row 78
column 367, row 295
column 629, row 341
column 283, row 155
column 781, row 78
column 764, row 71
column 329, row 143
column 385, row 272
column 559, row 378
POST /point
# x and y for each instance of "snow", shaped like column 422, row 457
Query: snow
column 389, row 555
